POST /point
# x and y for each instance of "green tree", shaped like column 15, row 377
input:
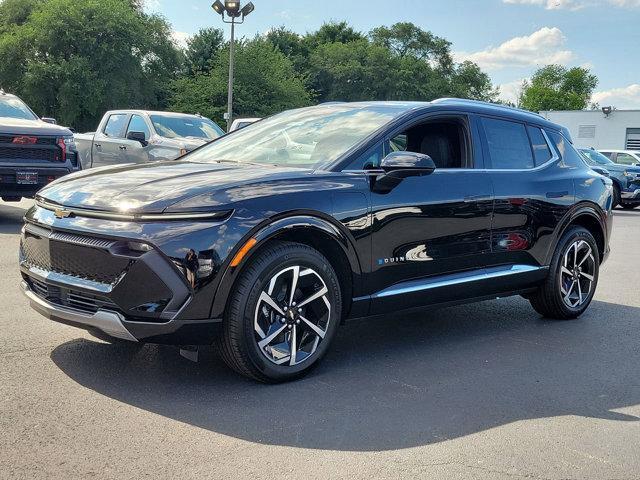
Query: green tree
column 265, row 83
column 202, row 50
column 74, row 59
column 556, row 88
column 406, row 39
column 333, row 32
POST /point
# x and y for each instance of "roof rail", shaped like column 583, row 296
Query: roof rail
column 480, row 102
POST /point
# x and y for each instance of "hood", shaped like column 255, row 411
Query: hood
column 151, row 188
column 18, row 126
column 190, row 143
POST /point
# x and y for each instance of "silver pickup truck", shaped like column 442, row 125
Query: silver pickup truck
column 137, row 136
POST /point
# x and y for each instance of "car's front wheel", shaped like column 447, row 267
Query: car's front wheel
column 573, row 276
column 283, row 313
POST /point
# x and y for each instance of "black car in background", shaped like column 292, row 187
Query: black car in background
column 33, row 152
column 626, row 178
column 267, row 239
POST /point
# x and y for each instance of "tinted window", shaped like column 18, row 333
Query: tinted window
column 607, row 154
column 137, row 124
column 14, row 108
column 567, row 151
column 115, row 125
column 508, row 144
column 541, row 152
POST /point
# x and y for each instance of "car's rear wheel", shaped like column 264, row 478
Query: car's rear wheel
column 283, row 313
column 573, row 277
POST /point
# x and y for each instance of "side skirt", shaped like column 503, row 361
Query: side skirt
column 462, row 287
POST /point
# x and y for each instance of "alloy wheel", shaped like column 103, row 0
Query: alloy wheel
column 577, row 274
column 292, row 316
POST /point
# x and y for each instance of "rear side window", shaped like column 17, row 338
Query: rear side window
column 541, row 151
column 567, row 151
column 508, row 144
column 115, row 125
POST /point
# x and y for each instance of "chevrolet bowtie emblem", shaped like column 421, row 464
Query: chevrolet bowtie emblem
column 60, row 213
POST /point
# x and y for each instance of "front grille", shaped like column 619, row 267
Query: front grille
column 70, row 298
column 40, row 141
column 48, row 154
column 76, row 255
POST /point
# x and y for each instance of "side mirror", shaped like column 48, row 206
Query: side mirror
column 400, row 165
column 50, row 120
column 601, row 171
column 407, row 164
column 138, row 137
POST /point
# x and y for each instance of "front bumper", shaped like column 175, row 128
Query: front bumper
column 108, row 322
column 630, row 196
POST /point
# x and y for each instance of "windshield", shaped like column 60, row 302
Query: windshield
column 305, row 138
column 170, row 126
column 15, row 108
column 596, row 157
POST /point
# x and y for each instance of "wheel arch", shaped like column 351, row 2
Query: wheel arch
column 315, row 231
column 589, row 216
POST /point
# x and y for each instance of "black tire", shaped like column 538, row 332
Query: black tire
column 238, row 344
column 548, row 300
column 616, row 195
column 629, row 206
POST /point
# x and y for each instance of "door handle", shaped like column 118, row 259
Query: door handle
column 97, row 145
column 557, row 194
column 123, row 147
column 477, row 198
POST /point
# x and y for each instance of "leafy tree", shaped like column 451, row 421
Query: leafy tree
column 265, row 83
column 555, row 88
column 333, row 32
column 202, row 50
column 405, row 39
column 74, row 59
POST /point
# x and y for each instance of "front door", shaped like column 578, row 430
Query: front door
column 431, row 228
column 107, row 142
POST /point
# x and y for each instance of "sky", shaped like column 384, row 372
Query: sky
column 509, row 39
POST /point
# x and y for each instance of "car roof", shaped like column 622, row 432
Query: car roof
column 153, row 112
column 463, row 105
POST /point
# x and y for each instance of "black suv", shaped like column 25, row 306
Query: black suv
column 33, row 152
column 267, row 239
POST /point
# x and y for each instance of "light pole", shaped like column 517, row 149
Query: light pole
column 232, row 10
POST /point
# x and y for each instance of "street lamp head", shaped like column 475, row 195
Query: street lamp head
column 232, row 7
column 247, row 9
column 218, row 7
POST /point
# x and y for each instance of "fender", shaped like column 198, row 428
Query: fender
column 583, row 208
column 270, row 229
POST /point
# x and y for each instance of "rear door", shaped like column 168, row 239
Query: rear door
column 533, row 190
column 107, row 141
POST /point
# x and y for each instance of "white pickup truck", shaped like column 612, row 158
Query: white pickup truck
column 137, row 136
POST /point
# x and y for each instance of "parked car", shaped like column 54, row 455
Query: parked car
column 250, row 245
column 623, row 157
column 139, row 136
column 239, row 123
column 626, row 179
column 33, row 152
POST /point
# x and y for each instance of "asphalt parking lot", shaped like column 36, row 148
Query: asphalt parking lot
column 480, row 391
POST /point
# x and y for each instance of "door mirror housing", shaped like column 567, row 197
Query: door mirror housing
column 407, row 164
column 400, row 165
column 138, row 137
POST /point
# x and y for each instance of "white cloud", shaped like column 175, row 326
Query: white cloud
column 540, row 48
column 510, row 91
column 575, row 4
column 621, row 98
column 180, row 38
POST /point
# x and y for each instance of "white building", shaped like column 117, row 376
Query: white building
column 620, row 130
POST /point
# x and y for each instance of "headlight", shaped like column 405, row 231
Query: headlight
column 70, row 141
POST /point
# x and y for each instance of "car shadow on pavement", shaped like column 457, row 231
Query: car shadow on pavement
column 390, row 383
column 10, row 218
